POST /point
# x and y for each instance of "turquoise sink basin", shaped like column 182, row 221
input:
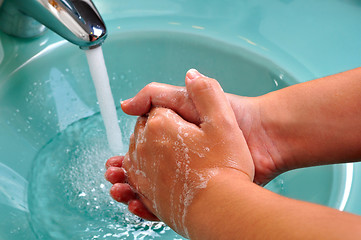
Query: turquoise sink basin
column 52, row 140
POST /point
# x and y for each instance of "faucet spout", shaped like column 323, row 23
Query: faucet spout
column 78, row 21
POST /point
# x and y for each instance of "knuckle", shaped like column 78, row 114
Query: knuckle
column 154, row 124
column 205, row 84
column 151, row 85
column 157, row 122
column 127, row 161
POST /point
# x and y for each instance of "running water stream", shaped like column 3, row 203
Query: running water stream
column 105, row 98
column 68, row 197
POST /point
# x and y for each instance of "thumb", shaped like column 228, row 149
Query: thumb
column 209, row 99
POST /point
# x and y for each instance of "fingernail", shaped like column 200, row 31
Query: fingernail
column 125, row 101
column 193, row 74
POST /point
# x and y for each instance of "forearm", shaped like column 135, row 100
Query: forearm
column 317, row 122
column 233, row 208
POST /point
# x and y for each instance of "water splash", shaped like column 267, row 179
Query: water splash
column 68, row 195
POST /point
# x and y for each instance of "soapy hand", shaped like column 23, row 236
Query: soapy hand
column 188, row 195
column 263, row 146
column 246, row 110
column 170, row 160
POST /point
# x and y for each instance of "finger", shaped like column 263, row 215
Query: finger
column 131, row 146
column 138, row 208
column 161, row 95
column 139, row 138
column 209, row 99
column 122, row 192
column 127, row 161
column 115, row 175
column 127, row 164
column 115, row 161
column 139, row 128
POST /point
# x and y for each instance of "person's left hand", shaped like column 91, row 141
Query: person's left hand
column 170, row 160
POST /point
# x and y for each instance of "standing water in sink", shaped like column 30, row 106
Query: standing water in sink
column 105, row 98
column 68, row 197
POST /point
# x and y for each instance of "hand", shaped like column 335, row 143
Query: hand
column 263, row 146
column 170, row 160
column 264, row 153
column 283, row 112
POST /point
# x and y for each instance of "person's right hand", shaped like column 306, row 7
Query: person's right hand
column 267, row 159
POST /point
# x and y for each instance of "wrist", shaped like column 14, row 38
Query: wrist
column 258, row 119
column 277, row 123
column 212, row 206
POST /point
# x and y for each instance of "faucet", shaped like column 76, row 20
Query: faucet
column 78, row 21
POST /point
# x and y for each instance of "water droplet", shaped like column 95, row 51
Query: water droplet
column 276, row 83
column 83, row 194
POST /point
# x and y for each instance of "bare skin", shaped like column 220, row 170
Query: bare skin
column 246, row 110
column 276, row 143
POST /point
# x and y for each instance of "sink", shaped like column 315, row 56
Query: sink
column 52, row 141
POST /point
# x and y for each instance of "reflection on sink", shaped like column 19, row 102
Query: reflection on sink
column 13, row 189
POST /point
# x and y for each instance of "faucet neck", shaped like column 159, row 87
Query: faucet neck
column 78, row 21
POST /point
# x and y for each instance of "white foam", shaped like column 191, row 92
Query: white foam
column 105, row 98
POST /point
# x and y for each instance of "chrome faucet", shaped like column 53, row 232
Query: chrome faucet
column 78, row 21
